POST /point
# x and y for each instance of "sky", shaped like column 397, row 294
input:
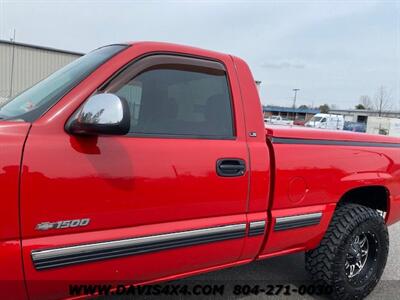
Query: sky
column 333, row 51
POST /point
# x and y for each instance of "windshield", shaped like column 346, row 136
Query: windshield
column 316, row 119
column 33, row 102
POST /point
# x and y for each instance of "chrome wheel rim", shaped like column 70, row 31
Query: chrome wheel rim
column 357, row 255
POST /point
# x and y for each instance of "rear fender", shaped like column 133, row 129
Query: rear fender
column 359, row 180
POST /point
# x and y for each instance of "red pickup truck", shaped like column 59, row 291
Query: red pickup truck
column 146, row 162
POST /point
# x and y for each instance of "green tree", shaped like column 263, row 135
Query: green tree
column 360, row 106
column 324, row 108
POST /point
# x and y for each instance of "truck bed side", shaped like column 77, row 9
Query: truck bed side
column 316, row 169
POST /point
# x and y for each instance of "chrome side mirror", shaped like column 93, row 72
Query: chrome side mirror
column 101, row 114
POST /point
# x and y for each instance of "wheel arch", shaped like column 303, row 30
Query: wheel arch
column 374, row 196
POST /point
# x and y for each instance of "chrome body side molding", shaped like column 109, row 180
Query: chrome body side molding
column 292, row 222
column 70, row 255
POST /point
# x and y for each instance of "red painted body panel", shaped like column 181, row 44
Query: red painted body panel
column 53, row 283
column 301, row 238
column 327, row 172
column 128, row 183
column 133, row 187
column 12, row 138
column 259, row 154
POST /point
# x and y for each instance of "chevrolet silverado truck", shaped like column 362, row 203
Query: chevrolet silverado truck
column 146, row 162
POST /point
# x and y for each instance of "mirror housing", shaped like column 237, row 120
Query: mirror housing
column 101, row 114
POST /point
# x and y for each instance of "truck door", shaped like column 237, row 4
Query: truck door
column 166, row 200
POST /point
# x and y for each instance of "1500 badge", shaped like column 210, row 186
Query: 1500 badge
column 63, row 224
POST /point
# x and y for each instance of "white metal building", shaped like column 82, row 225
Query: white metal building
column 23, row 65
column 361, row 115
column 375, row 122
column 385, row 126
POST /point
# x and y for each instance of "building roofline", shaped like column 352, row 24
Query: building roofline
column 273, row 108
column 40, row 47
column 366, row 111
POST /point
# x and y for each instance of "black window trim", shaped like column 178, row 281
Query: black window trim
column 178, row 136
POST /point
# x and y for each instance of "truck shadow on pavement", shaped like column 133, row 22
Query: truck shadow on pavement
column 283, row 270
column 266, row 274
column 278, row 271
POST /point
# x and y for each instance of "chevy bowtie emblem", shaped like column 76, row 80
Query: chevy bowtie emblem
column 44, row 226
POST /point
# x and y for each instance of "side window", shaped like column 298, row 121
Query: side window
column 133, row 94
column 177, row 98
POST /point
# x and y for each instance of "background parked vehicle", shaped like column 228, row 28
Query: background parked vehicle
column 299, row 122
column 278, row 120
column 355, row 126
column 326, row 121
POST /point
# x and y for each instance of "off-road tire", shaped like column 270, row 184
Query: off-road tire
column 326, row 263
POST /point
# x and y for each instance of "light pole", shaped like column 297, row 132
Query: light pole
column 295, row 96
column 12, row 67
